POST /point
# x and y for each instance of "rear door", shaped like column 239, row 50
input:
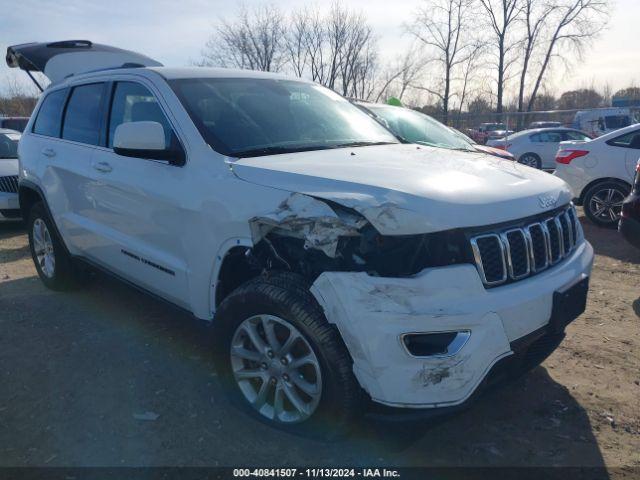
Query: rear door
column 65, row 133
column 136, row 204
column 629, row 146
column 59, row 60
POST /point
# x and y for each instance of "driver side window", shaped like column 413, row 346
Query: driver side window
column 133, row 102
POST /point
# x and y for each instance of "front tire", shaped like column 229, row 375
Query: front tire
column 603, row 202
column 530, row 160
column 282, row 362
column 50, row 257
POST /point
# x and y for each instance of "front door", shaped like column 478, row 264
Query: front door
column 137, row 205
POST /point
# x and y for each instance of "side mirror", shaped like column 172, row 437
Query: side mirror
column 145, row 140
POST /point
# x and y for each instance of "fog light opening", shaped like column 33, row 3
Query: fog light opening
column 437, row 344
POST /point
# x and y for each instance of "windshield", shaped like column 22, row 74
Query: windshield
column 617, row 121
column 416, row 127
column 245, row 117
column 9, row 145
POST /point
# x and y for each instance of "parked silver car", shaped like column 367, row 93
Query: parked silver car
column 537, row 148
column 9, row 208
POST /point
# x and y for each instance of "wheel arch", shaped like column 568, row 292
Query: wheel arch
column 230, row 270
column 29, row 194
column 591, row 184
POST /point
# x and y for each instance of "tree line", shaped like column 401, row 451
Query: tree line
column 461, row 52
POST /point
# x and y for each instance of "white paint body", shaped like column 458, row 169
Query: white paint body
column 187, row 218
column 604, row 161
column 541, row 142
column 8, row 168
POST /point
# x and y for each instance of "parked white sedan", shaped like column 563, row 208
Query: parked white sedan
column 600, row 172
column 537, row 148
column 9, row 209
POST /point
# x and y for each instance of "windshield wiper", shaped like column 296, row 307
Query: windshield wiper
column 360, row 144
column 277, row 150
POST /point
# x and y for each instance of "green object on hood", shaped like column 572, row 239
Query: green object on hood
column 394, row 101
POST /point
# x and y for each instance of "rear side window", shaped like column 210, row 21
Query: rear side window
column 83, row 115
column 628, row 140
column 134, row 103
column 546, row 137
column 575, row 136
column 50, row 114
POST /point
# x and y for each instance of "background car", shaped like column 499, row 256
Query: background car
column 416, row 127
column 490, row 131
column 600, row 121
column 9, row 208
column 537, row 148
column 14, row 123
column 629, row 225
column 544, row 124
column 600, row 172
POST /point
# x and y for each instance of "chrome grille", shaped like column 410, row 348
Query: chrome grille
column 9, row 184
column 517, row 253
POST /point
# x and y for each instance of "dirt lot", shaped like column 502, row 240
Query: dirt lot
column 77, row 369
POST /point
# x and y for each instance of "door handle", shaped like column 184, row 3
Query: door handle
column 49, row 152
column 103, row 167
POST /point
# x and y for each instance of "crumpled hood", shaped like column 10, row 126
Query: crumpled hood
column 406, row 189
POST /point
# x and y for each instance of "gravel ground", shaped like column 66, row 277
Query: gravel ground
column 106, row 376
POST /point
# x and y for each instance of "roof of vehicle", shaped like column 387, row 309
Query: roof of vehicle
column 172, row 73
column 8, row 130
column 176, row 73
column 532, row 131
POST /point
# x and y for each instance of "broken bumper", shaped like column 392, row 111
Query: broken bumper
column 373, row 313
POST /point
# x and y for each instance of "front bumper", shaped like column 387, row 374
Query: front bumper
column 372, row 314
column 9, row 206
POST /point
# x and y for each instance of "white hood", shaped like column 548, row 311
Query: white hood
column 406, row 189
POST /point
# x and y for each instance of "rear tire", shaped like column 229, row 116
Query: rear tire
column 530, row 160
column 50, row 257
column 603, row 202
column 324, row 385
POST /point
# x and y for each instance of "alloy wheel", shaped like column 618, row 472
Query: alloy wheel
column 43, row 248
column 529, row 161
column 606, row 204
column 276, row 369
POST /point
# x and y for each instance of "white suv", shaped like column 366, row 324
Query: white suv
column 338, row 266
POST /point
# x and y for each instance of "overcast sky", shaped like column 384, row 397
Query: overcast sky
column 174, row 31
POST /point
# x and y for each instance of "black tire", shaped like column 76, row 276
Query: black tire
column 531, row 160
column 286, row 296
column 64, row 276
column 594, row 196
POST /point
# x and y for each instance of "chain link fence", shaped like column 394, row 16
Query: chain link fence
column 594, row 122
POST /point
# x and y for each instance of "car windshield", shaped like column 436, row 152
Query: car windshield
column 496, row 126
column 617, row 121
column 416, row 127
column 248, row 117
column 9, row 145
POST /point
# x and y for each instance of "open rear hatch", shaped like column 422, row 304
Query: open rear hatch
column 59, row 60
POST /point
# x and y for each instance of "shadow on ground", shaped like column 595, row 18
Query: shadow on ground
column 11, row 229
column 607, row 242
column 77, row 368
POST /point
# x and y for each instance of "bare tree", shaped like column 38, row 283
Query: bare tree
column 503, row 16
column 469, row 68
column 18, row 98
column 401, row 76
column 535, row 15
column 337, row 49
column 440, row 26
column 255, row 40
column 577, row 22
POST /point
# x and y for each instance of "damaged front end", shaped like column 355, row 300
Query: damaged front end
column 311, row 236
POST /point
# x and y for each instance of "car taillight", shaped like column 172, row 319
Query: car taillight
column 565, row 156
column 502, row 147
